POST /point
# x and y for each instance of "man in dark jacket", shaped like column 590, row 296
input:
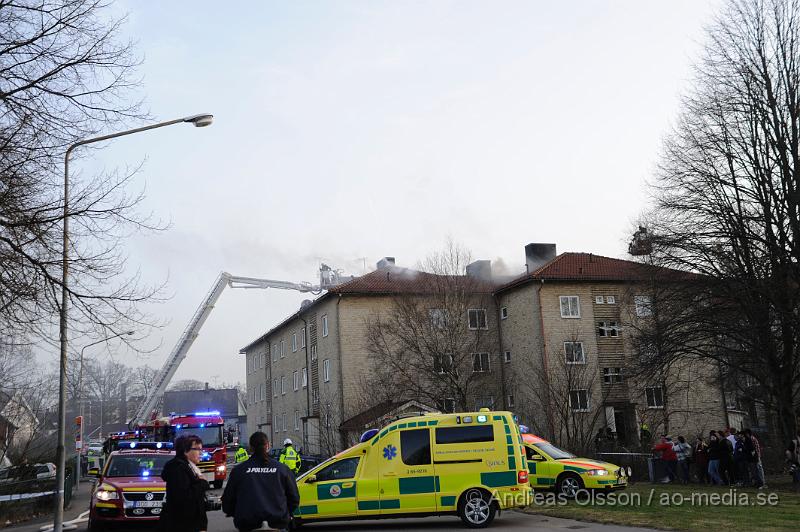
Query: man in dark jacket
column 260, row 489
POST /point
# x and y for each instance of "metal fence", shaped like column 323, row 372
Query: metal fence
column 638, row 462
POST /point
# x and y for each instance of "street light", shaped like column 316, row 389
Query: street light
column 201, row 120
column 80, row 398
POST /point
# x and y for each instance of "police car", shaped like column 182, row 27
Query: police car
column 129, row 488
column 550, row 467
column 466, row 464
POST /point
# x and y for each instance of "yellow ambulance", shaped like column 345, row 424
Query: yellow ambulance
column 468, row 464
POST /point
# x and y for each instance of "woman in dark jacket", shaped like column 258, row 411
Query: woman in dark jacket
column 185, row 506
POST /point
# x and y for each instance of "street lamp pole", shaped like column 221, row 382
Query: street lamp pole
column 201, row 120
column 81, row 402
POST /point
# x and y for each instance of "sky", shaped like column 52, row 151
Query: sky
column 346, row 131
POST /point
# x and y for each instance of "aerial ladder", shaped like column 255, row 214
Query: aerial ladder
column 328, row 279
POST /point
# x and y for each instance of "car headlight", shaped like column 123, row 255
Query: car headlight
column 106, row 495
column 597, row 472
column 621, row 472
column 630, row 471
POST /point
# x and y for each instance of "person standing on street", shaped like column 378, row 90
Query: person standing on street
column 185, row 504
column 260, row 489
column 289, row 457
column 668, row 456
column 683, row 452
column 715, row 451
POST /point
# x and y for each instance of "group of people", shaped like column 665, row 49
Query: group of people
column 259, row 490
column 728, row 457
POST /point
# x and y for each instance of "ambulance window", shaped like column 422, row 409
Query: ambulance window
column 340, row 470
column 473, row 434
column 415, row 446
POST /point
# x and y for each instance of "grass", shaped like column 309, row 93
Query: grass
column 670, row 507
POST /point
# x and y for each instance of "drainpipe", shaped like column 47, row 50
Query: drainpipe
column 342, row 438
column 500, row 348
column 548, row 407
column 308, row 378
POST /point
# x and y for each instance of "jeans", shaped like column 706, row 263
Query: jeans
column 671, row 473
column 683, row 467
column 713, row 472
column 756, row 473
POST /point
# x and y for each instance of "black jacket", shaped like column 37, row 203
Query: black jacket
column 260, row 490
column 185, row 506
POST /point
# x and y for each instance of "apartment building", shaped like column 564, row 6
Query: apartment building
column 568, row 326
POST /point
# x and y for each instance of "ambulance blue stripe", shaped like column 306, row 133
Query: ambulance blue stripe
column 306, row 510
column 496, row 479
column 448, row 500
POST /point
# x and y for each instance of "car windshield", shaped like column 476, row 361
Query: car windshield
column 137, row 466
column 211, row 436
column 554, row 452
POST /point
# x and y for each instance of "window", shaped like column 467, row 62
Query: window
column 275, row 388
column 275, row 352
column 284, row 422
column 263, row 359
column 303, row 337
column 263, row 392
column 326, row 370
column 611, row 300
column 439, row 318
column 655, row 397
column 294, row 343
column 504, row 313
column 507, row 357
column 573, row 352
column 275, row 426
column 283, row 385
column 324, row 326
column 295, row 380
column 447, row 405
column 477, row 318
column 442, row 364
column 415, row 447
column 612, row 375
column 570, row 306
column 465, row 434
column 644, row 305
column 510, row 400
column 480, row 362
column 296, row 420
column 315, row 396
column 305, row 377
column 341, row 470
column 484, row 401
column 607, row 329
column 579, row 400
column 313, row 352
column 283, row 348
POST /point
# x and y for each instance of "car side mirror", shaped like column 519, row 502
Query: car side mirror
column 311, row 479
column 93, row 472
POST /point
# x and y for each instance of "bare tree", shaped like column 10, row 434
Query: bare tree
column 186, row 385
column 65, row 76
column 438, row 343
column 727, row 203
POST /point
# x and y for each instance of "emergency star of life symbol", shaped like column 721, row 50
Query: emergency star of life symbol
column 335, row 490
column 389, row 452
column 148, row 497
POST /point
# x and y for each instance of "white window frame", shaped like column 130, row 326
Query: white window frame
column 284, row 422
column 283, row 348
column 324, row 325
column 296, row 420
column 507, row 357
column 478, row 312
column 302, row 338
column 439, row 318
column 313, row 352
column 573, row 307
column 294, row 343
column 263, row 359
column 612, row 375
column 503, row 313
column 275, row 426
column 283, row 384
column 566, row 353
column 263, row 391
column 598, row 300
column 611, row 300
column 274, row 352
column 650, row 397
column 305, row 377
column 588, row 400
column 480, row 358
column 510, row 400
column 439, row 366
column 295, row 380
column 608, row 329
column 326, row 370
column 275, row 388
column 644, row 305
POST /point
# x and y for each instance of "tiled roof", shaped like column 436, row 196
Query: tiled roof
column 590, row 267
column 395, row 281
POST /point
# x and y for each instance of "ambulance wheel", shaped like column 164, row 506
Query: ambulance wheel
column 476, row 508
column 217, row 484
column 569, row 484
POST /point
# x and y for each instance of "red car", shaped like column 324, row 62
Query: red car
column 130, row 489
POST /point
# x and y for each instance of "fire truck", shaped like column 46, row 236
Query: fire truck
column 208, row 426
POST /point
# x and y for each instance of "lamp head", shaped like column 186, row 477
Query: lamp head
column 202, row 120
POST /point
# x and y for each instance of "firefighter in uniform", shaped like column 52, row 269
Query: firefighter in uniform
column 241, row 455
column 289, row 457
